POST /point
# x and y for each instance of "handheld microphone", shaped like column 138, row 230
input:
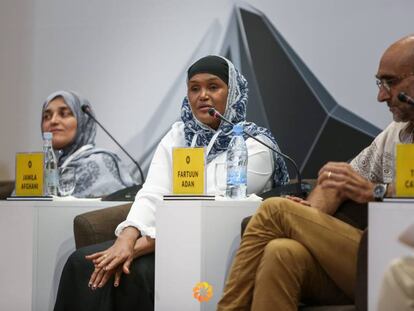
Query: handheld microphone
column 402, row 97
column 86, row 109
column 299, row 191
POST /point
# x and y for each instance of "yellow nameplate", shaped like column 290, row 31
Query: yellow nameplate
column 188, row 170
column 404, row 170
column 29, row 174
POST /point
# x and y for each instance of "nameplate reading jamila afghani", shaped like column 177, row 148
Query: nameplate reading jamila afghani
column 188, row 171
column 29, row 174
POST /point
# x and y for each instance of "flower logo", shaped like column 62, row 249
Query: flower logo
column 203, row 292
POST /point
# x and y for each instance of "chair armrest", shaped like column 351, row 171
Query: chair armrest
column 98, row 226
column 353, row 213
column 244, row 223
column 6, row 188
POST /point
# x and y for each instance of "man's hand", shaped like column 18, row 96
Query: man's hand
column 349, row 184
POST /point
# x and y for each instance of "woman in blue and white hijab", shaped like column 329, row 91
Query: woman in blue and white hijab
column 203, row 130
column 98, row 172
column 212, row 82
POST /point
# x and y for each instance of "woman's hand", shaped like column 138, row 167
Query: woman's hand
column 100, row 277
column 349, row 184
column 116, row 259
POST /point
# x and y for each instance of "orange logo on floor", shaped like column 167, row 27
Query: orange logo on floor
column 203, row 292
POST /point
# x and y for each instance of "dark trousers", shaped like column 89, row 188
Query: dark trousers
column 135, row 291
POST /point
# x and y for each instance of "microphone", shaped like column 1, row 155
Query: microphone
column 405, row 98
column 86, row 109
column 299, row 191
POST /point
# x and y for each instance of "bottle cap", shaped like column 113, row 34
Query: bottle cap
column 47, row 135
column 238, row 129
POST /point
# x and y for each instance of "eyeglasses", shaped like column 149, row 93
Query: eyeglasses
column 389, row 83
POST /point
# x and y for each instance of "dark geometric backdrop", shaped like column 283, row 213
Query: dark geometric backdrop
column 287, row 98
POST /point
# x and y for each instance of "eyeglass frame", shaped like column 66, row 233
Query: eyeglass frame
column 389, row 83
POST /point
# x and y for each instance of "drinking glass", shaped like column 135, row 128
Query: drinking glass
column 67, row 180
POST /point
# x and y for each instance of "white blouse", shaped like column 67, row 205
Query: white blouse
column 159, row 179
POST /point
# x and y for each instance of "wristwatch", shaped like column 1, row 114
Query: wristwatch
column 380, row 190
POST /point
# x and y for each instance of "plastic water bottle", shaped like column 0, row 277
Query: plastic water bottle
column 237, row 165
column 51, row 178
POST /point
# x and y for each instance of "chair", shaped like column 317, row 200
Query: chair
column 98, row 226
column 6, row 188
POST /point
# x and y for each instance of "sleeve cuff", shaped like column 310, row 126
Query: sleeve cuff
column 144, row 230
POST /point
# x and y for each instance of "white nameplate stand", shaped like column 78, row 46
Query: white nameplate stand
column 386, row 222
column 36, row 240
column 196, row 242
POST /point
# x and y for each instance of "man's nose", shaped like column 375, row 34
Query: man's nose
column 383, row 94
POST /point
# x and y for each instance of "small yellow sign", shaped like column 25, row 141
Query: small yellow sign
column 29, row 174
column 188, row 170
column 404, row 170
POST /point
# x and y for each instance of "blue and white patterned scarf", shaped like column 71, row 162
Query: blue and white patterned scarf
column 236, row 113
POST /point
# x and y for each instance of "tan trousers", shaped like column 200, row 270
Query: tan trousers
column 291, row 253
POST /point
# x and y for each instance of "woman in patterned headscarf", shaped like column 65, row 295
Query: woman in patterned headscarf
column 212, row 81
column 98, row 171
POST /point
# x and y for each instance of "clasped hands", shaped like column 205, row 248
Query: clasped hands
column 342, row 178
column 113, row 261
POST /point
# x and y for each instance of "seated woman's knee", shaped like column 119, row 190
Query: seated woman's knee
column 143, row 268
column 77, row 258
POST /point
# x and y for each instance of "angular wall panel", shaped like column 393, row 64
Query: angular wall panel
column 286, row 97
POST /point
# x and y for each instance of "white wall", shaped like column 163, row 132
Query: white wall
column 16, row 23
column 126, row 56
